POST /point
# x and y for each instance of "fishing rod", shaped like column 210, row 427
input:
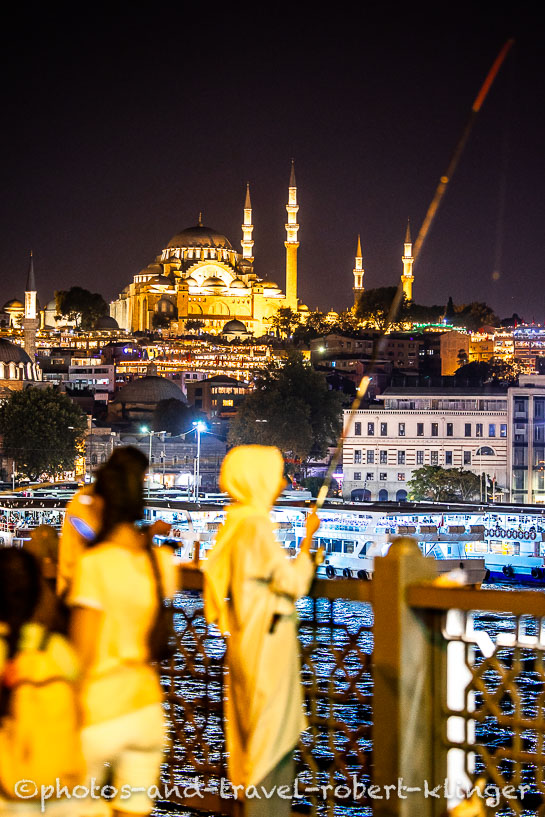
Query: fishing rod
column 424, row 229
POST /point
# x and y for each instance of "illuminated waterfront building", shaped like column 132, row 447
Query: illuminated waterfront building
column 412, row 427
column 199, row 276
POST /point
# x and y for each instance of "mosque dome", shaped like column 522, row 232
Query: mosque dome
column 234, row 327
column 160, row 280
column 13, row 304
column 270, row 285
column 106, row 322
column 213, row 281
column 149, row 389
column 200, row 236
column 238, row 283
column 12, row 353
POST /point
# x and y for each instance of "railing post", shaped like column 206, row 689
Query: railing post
column 403, row 705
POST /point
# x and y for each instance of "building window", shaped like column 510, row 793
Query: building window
column 448, row 457
column 467, row 457
column 369, row 477
column 492, row 429
column 384, row 429
column 401, row 458
column 435, row 429
column 503, row 429
column 450, row 430
column 357, row 476
column 370, row 429
column 478, row 429
column 467, row 430
column 383, row 476
column 370, row 457
column 401, row 430
column 420, row 458
column 434, row 458
column 383, row 457
column 228, row 403
column 357, row 429
column 401, row 477
column 420, row 429
column 357, row 457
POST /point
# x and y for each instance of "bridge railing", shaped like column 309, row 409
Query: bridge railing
column 408, row 684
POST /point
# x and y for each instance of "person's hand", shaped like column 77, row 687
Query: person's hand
column 160, row 528
column 313, row 523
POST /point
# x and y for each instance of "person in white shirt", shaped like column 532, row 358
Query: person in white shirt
column 114, row 601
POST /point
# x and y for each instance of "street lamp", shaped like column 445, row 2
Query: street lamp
column 146, row 430
column 199, row 427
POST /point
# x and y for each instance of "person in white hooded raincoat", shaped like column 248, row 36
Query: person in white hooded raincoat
column 250, row 589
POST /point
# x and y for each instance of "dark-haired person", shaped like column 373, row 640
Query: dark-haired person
column 83, row 517
column 114, row 600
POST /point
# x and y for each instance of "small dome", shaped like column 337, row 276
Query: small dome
column 238, row 283
column 14, row 304
column 160, row 280
column 51, row 305
column 173, row 259
column 149, row 389
column 270, row 285
column 107, row 322
column 12, row 353
column 200, row 236
column 213, row 281
column 234, row 327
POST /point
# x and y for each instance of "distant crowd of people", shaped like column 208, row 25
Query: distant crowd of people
column 84, row 620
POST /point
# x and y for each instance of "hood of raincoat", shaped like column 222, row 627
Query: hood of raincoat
column 253, row 475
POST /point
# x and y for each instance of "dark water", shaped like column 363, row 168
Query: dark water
column 335, row 638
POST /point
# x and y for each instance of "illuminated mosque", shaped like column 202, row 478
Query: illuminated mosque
column 199, row 276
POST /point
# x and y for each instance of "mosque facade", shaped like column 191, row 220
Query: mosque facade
column 200, row 276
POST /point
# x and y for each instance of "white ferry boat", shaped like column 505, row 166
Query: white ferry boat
column 495, row 542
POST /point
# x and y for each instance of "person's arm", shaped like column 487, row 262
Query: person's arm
column 85, row 623
column 292, row 577
column 87, row 609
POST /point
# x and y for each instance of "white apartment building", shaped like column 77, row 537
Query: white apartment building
column 527, row 432
column 451, row 427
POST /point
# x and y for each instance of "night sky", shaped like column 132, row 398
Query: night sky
column 119, row 127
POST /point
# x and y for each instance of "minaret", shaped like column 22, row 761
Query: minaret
column 30, row 321
column 358, row 274
column 247, row 228
column 407, row 277
column 291, row 242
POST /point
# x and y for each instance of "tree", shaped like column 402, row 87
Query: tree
column 291, row 408
column 285, row 321
column 173, row 416
column 81, row 306
column 160, row 321
column 374, row 307
column 475, row 315
column 42, row 431
column 443, row 484
column 315, row 326
column 193, row 325
column 494, row 370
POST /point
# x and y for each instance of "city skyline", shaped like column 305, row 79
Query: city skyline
column 121, row 132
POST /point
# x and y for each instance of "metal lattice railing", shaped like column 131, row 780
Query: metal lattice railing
column 494, row 724
column 336, row 647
